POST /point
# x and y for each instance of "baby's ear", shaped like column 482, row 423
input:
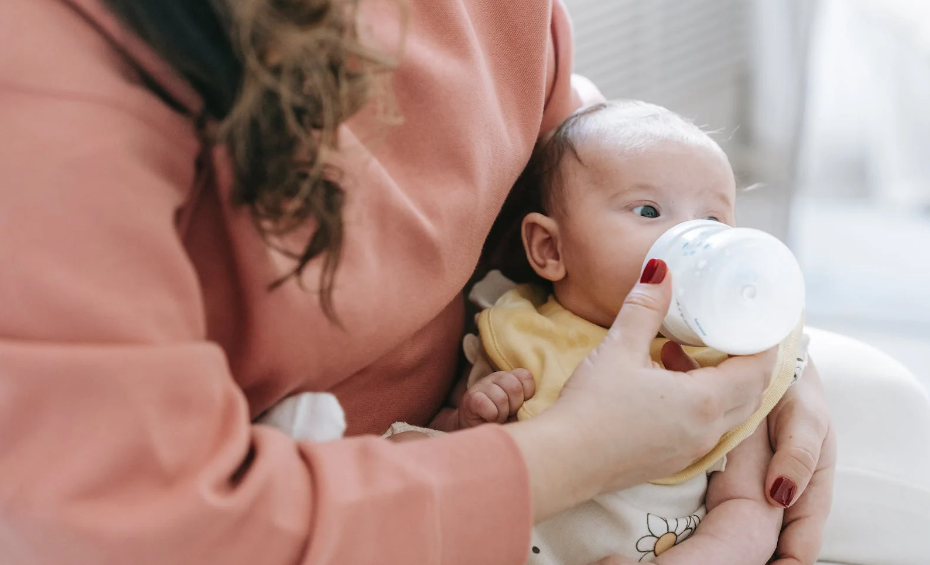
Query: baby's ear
column 543, row 246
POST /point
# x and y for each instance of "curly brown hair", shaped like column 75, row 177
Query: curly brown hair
column 282, row 76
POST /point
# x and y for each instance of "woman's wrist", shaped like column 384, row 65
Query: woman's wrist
column 562, row 471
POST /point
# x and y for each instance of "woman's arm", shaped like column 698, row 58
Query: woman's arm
column 125, row 438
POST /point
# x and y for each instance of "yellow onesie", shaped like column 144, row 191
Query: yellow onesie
column 526, row 329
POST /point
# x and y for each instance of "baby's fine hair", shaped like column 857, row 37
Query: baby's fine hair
column 631, row 126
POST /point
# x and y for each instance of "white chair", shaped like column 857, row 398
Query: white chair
column 881, row 505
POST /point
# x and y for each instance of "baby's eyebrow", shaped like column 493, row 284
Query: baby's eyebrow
column 650, row 192
column 644, row 186
column 621, row 188
column 721, row 198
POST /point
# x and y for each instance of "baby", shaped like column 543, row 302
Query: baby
column 597, row 194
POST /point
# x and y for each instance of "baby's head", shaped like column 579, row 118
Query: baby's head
column 606, row 185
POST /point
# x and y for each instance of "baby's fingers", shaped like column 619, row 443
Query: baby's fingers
column 519, row 386
column 498, row 397
column 508, row 390
column 479, row 407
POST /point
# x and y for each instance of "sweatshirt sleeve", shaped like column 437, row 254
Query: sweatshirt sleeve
column 124, row 437
column 566, row 91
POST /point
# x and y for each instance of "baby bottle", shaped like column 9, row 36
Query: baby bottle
column 737, row 290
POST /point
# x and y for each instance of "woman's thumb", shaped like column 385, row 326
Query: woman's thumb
column 642, row 313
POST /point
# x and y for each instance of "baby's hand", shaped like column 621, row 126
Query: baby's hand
column 496, row 398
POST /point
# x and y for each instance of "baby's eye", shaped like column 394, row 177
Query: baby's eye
column 712, row 218
column 646, row 211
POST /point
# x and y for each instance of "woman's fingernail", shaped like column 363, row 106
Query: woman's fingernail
column 655, row 272
column 783, row 491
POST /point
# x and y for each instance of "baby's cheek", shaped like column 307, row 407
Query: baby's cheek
column 615, row 284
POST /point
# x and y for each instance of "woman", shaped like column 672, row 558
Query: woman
column 173, row 237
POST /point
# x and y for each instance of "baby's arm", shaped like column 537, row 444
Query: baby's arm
column 741, row 527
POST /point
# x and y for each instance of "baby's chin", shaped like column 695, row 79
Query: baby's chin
column 594, row 313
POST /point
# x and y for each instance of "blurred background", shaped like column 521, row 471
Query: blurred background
column 824, row 102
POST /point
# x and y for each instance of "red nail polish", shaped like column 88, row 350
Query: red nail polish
column 655, row 272
column 783, row 491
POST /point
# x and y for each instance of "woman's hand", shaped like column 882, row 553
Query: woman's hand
column 621, row 421
column 801, row 473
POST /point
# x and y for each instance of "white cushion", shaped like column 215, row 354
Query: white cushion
column 881, row 507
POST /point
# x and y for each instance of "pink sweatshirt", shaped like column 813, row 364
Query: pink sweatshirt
column 138, row 337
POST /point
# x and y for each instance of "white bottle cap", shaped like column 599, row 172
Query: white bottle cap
column 737, row 290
